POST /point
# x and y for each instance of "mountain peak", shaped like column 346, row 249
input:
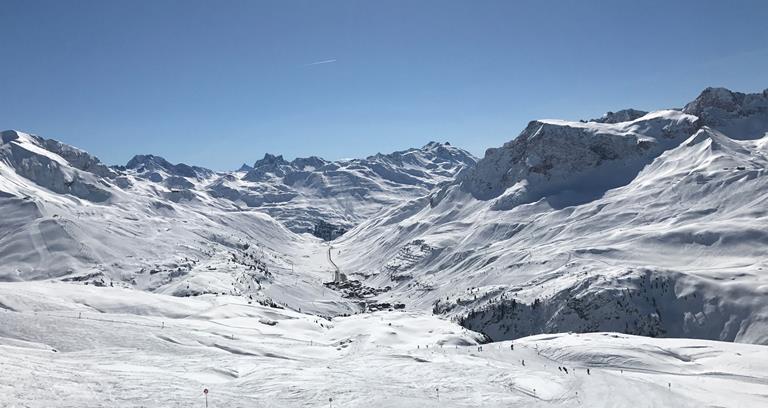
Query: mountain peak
column 719, row 98
column 10, row 135
column 624, row 115
column 740, row 115
column 431, row 152
column 270, row 165
column 245, row 167
column 270, row 159
column 150, row 162
column 147, row 160
column 433, row 145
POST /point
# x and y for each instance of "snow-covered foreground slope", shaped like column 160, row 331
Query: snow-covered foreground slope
column 69, row 345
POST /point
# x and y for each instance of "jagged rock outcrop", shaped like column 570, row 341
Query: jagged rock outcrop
column 29, row 157
column 740, row 115
column 557, row 157
column 624, row 115
column 344, row 192
column 150, row 163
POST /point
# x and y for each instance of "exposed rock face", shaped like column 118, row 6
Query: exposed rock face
column 142, row 163
column 269, row 166
column 29, row 157
column 553, row 156
column 78, row 159
column 741, row 116
column 624, row 115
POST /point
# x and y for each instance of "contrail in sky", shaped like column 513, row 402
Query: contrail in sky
column 328, row 61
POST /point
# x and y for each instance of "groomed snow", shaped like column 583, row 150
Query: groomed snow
column 69, row 345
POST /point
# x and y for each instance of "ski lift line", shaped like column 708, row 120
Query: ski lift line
column 337, row 276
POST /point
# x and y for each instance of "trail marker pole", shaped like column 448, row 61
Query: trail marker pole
column 205, row 391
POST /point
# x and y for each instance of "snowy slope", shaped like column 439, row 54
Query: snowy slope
column 655, row 226
column 73, row 346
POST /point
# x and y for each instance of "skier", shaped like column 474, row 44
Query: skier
column 588, row 372
column 523, row 361
column 512, row 347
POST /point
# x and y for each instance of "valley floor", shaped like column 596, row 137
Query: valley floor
column 68, row 345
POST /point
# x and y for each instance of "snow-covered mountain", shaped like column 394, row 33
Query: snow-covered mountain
column 654, row 226
column 187, row 230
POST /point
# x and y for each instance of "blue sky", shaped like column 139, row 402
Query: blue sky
column 221, row 83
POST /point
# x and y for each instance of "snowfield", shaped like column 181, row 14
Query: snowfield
column 80, row 346
column 621, row 261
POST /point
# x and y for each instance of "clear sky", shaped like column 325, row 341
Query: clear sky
column 220, row 83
